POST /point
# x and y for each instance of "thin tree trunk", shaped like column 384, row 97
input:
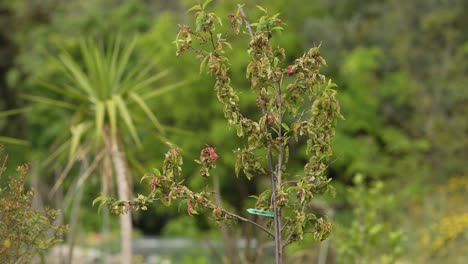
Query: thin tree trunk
column 276, row 210
column 275, row 178
column 121, row 170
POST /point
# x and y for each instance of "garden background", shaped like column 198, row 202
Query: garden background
column 400, row 161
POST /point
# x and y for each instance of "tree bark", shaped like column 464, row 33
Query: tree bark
column 121, row 170
column 106, row 186
column 276, row 210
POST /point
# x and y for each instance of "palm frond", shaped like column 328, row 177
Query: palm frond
column 48, row 101
column 147, row 111
column 124, row 113
column 123, row 65
column 77, row 133
column 14, row 141
column 163, row 90
column 77, row 75
column 64, row 90
column 14, row 111
column 55, row 154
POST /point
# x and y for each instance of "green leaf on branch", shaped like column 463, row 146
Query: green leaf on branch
column 203, row 64
column 194, row 8
column 262, row 9
column 146, row 176
column 101, row 200
column 206, row 3
column 199, row 21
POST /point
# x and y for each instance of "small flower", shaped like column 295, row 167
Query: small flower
column 290, row 70
column 209, row 155
column 231, row 15
column 212, row 153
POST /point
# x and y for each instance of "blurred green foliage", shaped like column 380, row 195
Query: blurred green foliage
column 402, row 68
column 370, row 236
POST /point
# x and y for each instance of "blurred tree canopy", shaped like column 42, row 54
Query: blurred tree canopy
column 402, row 68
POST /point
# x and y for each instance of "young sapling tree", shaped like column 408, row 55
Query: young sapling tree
column 296, row 102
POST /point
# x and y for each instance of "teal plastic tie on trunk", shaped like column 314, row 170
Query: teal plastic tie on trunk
column 260, row 212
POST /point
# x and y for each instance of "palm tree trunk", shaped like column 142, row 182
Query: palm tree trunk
column 121, row 170
column 106, row 185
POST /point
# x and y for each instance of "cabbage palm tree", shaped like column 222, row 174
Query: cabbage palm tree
column 105, row 88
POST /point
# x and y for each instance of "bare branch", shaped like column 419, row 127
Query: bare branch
column 247, row 24
column 249, row 221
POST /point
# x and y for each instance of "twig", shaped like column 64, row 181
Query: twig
column 284, row 225
column 249, row 221
column 247, row 24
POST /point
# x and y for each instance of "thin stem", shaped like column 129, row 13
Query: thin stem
column 249, row 221
column 291, row 182
column 288, row 238
column 277, row 132
column 212, row 41
column 275, row 207
column 279, row 171
column 273, row 176
column 280, row 134
column 189, row 193
column 197, row 51
column 284, row 225
column 247, row 24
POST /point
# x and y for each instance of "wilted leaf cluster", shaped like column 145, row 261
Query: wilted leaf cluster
column 166, row 186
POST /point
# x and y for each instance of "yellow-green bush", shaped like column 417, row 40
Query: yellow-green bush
column 24, row 231
column 447, row 236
